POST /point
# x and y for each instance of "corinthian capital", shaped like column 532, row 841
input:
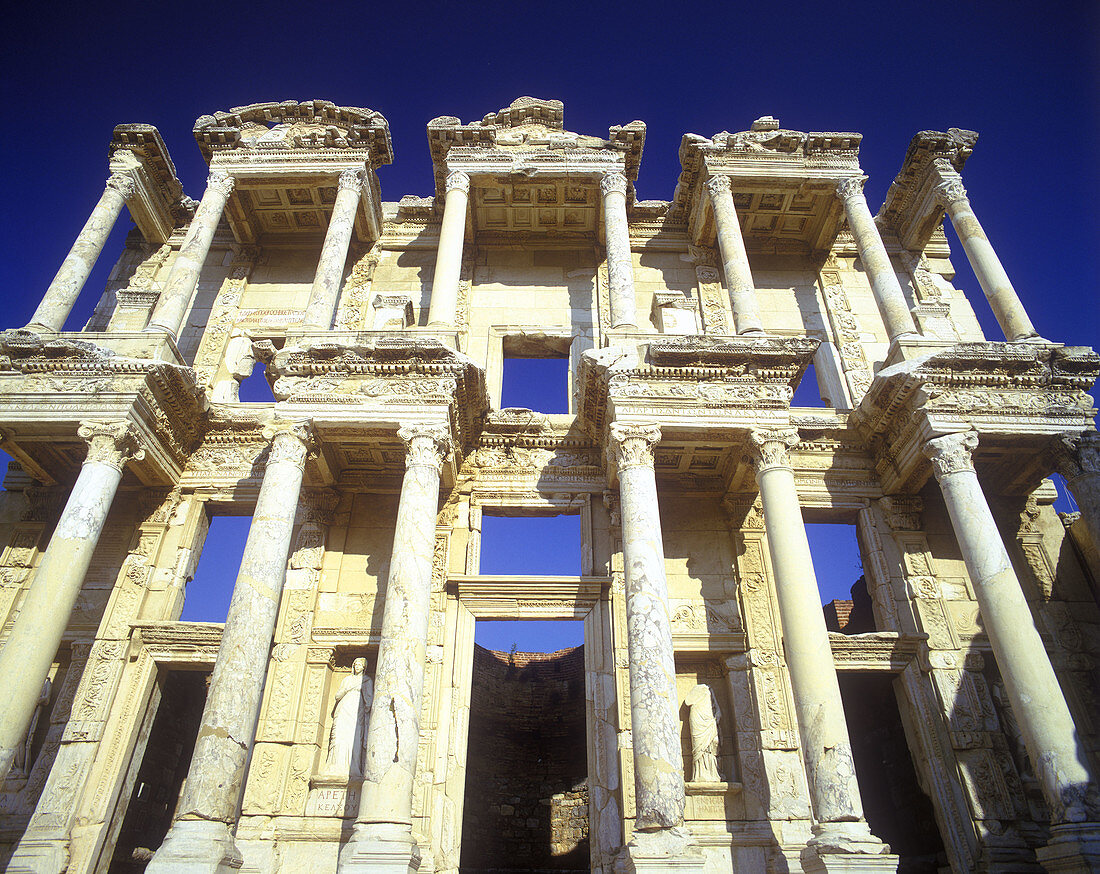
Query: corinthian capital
column 632, row 445
column 717, row 185
column 427, row 445
column 849, row 187
column 1078, row 456
column 351, row 180
column 221, row 182
column 123, row 183
column 291, row 441
column 950, row 191
column 458, row 180
column 771, row 447
column 614, row 182
column 111, row 443
column 952, row 453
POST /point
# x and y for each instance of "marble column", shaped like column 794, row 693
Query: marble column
column 1078, row 460
column 876, row 262
column 839, row 828
column 60, row 297
column 382, row 839
column 735, row 260
column 620, row 266
column 200, row 840
column 659, row 796
column 987, row 267
column 184, row 277
column 36, row 634
column 334, row 253
column 1037, row 702
column 442, row 309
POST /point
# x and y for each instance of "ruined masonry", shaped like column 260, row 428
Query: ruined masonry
column 342, row 719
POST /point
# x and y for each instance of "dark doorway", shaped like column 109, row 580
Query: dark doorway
column 526, row 805
column 163, row 769
column 897, row 810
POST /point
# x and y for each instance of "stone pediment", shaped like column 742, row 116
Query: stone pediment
column 528, row 131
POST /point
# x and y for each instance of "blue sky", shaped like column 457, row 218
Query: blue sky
column 1025, row 76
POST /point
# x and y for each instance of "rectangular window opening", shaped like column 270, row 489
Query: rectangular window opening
column 539, row 384
column 255, row 387
column 208, row 594
column 531, row 545
column 841, row 583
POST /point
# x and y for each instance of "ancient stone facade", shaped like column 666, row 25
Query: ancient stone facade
column 383, row 328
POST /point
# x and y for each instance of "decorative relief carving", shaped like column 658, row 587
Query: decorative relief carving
column 717, row 185
column 291, row 441
column 457, row 180
column 1078, row 456
column 853, row 359
column 850, row 187
column 123, row 183
column 428, row 445
column 771, row 447
column 632, row 445
column 220, row 181
column 613, row 183
column 950, row 191
column 952, row 453
column 350, row 314
column 351, row 180
column 902, row 512
column 111, row 443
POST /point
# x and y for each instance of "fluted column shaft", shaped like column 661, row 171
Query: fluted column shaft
column 1037, row 701
column 200, row 839
column 442, row 310
column 26, row 657
column 654, row 705
column 824, row 732
column 620, row 265
column 334, row 254
column 987, row 267
column 876, row 262
column 393, row 734
column 61, row 296
column 184, row 277
column 735, row 260
column 1079, row 462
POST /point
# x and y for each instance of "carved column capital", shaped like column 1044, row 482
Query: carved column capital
column 771, row 447
column 352, row 180
column 291, row 440
column 849, row 187
column 123, row 183
column 632, row 445
column 613, row 183
column 111, row 443
column 717, row 185
column 950, row 191
column 1078, row 456
column 951, row 453
column 427, row 445
column 458, row 180
column 221, row 182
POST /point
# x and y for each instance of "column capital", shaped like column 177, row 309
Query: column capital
column 951, row 453
column 221, row 182
column 111, row 443
column 613, row 183
column 771, row 447
column 849, row 187
column 352, row 180
column 950, row 191
column 458, row 180
column 717, row 185
column 632, row 445
column 1078, row 456
column 426, row 445
column 291, row 440
column 123, row 183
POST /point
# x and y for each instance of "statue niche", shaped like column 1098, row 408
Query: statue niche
column 350, row 715
column 703, row 716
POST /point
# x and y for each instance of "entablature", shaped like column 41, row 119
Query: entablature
column 157, row 203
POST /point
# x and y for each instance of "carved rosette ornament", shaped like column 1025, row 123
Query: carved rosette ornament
column 952, row 453
column 632, row 445
column 111, row 443
column 771, row 447
column 351, row 180
column 613, row 183
column 850, row 186
column 221, row 182
column 426, row 445
column 458, row 180
column 123, row 183
column 717, row 185
column 950, row 191
column 290, row 442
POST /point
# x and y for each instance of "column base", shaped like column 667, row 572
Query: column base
column 33, row 856
column 196, row 846
column 380, row 848
column 671, row 849
column 839, row 847
column 1073, row 847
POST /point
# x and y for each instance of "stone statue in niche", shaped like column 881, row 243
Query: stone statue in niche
column 350, row 714
column 23, row 762
column 703, row 716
